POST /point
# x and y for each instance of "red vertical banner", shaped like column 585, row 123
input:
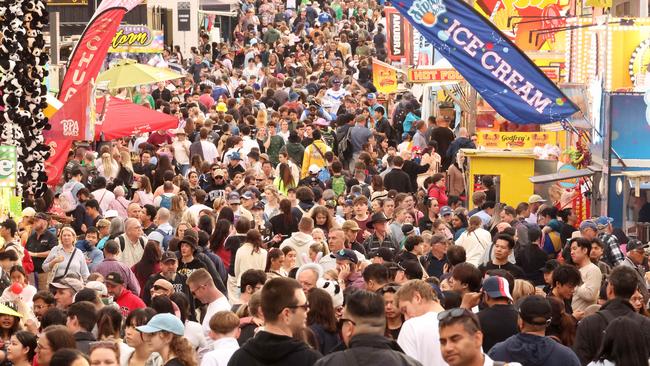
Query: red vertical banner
column 396, row 34
column 84, row 66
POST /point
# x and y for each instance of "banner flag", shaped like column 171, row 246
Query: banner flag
column 504, row 76
column 83, row 67
column 90, row 52
column 73, row 122
column 384, row 77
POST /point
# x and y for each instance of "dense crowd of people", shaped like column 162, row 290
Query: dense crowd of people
column 297, row 217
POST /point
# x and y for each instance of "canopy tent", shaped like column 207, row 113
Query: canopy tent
column 122, row 118
column 128, row 73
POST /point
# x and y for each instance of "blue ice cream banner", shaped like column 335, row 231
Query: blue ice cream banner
column 504, row 76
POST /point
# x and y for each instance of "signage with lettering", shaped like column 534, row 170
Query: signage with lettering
column 7, row 166
column 184, row 16
column 514, row 140
column 395, row 34
column 504, row 76
column 420, row 75
column 137, row 39
column 66, row 2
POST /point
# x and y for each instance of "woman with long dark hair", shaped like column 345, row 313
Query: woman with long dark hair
column 623, row 345
column 22, row 348
column 563, row 325
column 458, row 224
column 321, row 319
column 285, row 179
column 149, row 264
column 164, row 164
column 218, row 238
column 250, row 255
column 141, row 353
column 274, row 260
column 284, row 223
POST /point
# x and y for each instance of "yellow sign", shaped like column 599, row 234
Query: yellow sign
column 432, row 75
column 628, row 47
column 514, row 140
column 384, row 77
column 137, row 39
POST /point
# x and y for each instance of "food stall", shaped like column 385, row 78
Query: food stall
column 510, row 171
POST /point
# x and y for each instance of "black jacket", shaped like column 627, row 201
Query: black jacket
column 274, row 350
column 369, row 349
column 590, row 329
column 398, row 180
column 413, row 169
column 83, row 340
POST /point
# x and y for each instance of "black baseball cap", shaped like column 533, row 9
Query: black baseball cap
column 550, row 266
column 535, row 309
column 384, row 252
column 168, row 256
column 114, row 278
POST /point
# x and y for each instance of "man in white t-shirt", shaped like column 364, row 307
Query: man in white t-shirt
column 419, row 337
column 335, row 95
column 182, row 150
column 203, row 289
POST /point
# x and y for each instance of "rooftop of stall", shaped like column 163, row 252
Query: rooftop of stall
column 513, row 168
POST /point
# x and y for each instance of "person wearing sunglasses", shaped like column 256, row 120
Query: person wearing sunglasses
column 461, row 338
column 362, row 328
column 285, row 308
column 531, row 346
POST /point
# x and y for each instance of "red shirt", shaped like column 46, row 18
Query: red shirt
column 128, row 302
column 158, row 140
column 206, row 100
column 439, row 195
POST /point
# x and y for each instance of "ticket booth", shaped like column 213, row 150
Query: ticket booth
column 509, row 170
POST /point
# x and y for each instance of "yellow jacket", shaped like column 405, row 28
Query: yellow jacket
column 314, row 154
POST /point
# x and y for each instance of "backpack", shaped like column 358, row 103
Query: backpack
column 324, row 175
column 345, row 146
column 338, row 185
column 166, row 239
column 165, row 201
column 123, row 242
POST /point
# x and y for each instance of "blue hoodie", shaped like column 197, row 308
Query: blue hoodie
column 533, row 350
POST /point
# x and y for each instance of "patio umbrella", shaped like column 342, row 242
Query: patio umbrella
column 129, row 73
column 122, row 118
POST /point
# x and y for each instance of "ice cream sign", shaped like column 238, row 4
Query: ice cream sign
column 7, row 166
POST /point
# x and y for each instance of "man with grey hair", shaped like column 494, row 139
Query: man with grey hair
column 132, row 242
column 308, row 274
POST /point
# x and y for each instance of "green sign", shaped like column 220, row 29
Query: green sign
column 7, row 166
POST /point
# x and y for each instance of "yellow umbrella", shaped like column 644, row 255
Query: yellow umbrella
column 129, row 73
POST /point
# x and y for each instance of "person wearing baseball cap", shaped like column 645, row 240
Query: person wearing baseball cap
column 531, row 346
column 534, row 202
column 351, row 229
column 165, row 333
column 169, row 273
column 347, row 264
column 499, row 318
column 39, row 244
column 126, row 300
column 64, row 291
column 601, row 228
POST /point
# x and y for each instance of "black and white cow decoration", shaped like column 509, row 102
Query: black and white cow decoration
column 23, row 91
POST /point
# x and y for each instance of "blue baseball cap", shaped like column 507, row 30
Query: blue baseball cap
column 163, row 322
column 234, row 156
column 496, row 287
column 603, row 221
column 371, row 96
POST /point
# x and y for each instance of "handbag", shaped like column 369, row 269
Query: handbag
column 51, row 275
